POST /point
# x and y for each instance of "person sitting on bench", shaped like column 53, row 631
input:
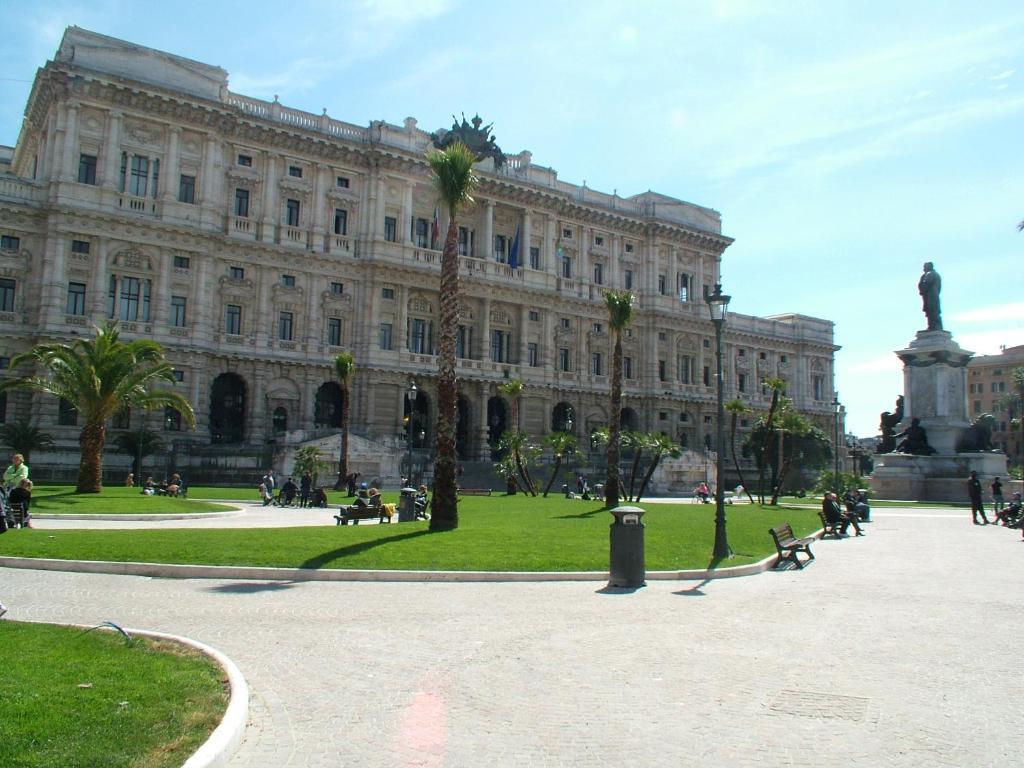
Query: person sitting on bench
column 835, row 515
column 420, row 503
column 1010, row 515
column 362, row 497
column 288, row 492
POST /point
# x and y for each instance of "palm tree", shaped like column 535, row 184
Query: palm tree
column 513, row 389
column 778, row 388
column 454, row 180
column 620, row 314
column 659, row 446
column 515, row 441
column 561, row 445
column 344, row 368
column 735, row 408
column 99, row 377
column 138, row 444
column 791, row 423
column 24, row 437
column 636, row 442
column 309, row 459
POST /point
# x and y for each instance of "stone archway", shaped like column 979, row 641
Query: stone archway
column 497, row 422
column 563, row 418
column 417, row 420
column 227, row 409
column 463, row 433
column 628, row 420
column 328, row 404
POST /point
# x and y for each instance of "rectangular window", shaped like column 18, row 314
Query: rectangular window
column 341, row 182
column 661, row 284
column 662, row 373
column 627, row 279
column 387, row 293
column 418, row 336
column 741, row 382
column 390, row 229
column 629, row 247
column 340, row 221
column 531, row 354
column 599, row 274
column 186, row 189
column 499, row 248
column 288, row 281
column 384, row 339
column 567, row 267
column 783, row 359
column 818, row 385
column 337, row 288
column 131, row 294
column 80, row 246
column 534, row 316
column 685, row 369
column 10, row 243
column 87, row 169
column 598, row 240
column 567, row 233
column 178, row 311
column 242, row 203
column 422, row 233
column 139, row 177
column 179, row 376
column 294, row 171
column 172, row 420
column 534, row 257
column 284, row 326
column 707, row 376
column 627, row 367
column 501, row 341
column 334, row 331
column 565, row 322
column 683, row 286
column 563, row 359
column 463, row 241
column 598, row 328
column 182, row 262
column 463, row 340
column 236, row 273
column 111, row 296
column 292, row 212
column 596, row 364
column 245, row 160
column 233, row 319
column 76, row 299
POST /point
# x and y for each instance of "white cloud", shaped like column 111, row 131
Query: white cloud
column 999, row 313
column 990, row 342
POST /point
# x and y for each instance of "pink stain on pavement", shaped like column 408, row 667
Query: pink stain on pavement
column 421, row 734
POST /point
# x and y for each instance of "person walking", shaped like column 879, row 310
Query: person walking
column 997, row 496
column 305, row 488
column 268, row 482
column 974, row 492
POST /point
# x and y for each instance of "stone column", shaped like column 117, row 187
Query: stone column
column 407, row 214
column 264, row 310
column 550, row 249
column 314, row 319
column 321, row 177
column 52, row 150
column 586, row 273
column 69, row 164
column 270, row 214
column 99, row 288
column 487, row 252
column 112, row 152
column 485, row 329
column 524, row 324
column 54, row 282
column 382, row 209
column 160, row 298
column 208, row 180
column 171, row 171
column 401, row 334
column 548, row 345
column 483, row 448
column 203, row 299
column 524, row 240
column 614, row 258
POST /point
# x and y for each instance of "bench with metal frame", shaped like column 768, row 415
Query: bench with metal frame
column 789, row 545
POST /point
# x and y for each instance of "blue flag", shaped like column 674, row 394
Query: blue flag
column 513, row 255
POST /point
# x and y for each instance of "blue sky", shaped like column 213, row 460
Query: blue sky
column 844, row 143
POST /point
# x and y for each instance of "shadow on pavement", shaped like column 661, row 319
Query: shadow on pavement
column 610, row 590
column 242, row 588
column 354, row 549
column 695, row 590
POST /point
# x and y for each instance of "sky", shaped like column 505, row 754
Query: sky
column 844, row 143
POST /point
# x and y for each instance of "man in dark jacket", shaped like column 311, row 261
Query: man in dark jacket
column 974, row 492
column 834, row 514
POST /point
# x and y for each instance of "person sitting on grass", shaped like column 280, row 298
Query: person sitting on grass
column 288, row 492
column 129, row 482
column 319, row 497
column 420, row 503
column 174, row 486
column 148, row 487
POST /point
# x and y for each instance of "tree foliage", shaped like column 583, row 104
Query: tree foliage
column 24, row 437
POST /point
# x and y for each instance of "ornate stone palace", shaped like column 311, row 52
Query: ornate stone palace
column 255, row 242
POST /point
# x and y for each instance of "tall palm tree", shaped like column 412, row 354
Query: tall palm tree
column 513, row 390
column 659, row 446
column 24, row 437
column 620, row 314
column 735, row 408
column 561, row 445
column 778, row 388
column 99, row 377
column 454, row 181
column 344, row 368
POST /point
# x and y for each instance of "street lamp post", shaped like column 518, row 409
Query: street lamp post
column 837, row 409
column 411, row 395
column 718, row 305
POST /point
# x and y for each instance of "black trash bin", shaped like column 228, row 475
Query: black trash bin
column 626, row 561
column 407, row 505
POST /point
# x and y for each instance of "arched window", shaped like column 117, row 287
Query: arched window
column 227, row 409
column 67, row 414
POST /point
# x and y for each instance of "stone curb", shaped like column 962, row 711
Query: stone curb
column 223, row 742
column 176, row 571
column 144, row 518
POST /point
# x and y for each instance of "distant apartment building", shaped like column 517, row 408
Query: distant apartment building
column 989, row 382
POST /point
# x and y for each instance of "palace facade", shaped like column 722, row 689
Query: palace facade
column 256, row 242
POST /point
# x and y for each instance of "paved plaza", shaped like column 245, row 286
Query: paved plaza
column 897, row 649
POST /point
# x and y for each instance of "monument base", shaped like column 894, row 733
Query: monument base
column 904, row 477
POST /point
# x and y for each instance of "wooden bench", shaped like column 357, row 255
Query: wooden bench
column 350, row 513
column 474, row 491
column 830, row 529
column 789, row 545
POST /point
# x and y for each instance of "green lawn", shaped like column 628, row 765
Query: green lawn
column 72, row 698
column 62, row 500
column 816, row 500
column 495, row 534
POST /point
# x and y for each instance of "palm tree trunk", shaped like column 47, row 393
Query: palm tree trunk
column 90, row 467
column 611, row 483
column 655, row 460
column 343, row 457
column 554, row 474
column 735, row 458
column 632, row 472
column 445, row 514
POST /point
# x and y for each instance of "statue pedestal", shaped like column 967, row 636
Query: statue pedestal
column 935, row 388
column 935, row 392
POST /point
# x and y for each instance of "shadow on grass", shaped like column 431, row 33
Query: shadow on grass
column 321, row 560
column 244, row 588
column 581, row 515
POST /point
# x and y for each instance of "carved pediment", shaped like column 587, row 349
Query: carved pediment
column 133, row 258
column 419, row 304
column 500, row 317
column 288, row 292
column 466, row 313
column 235, row 285
column 330, row 298
column 144, row 133
column 817, row 365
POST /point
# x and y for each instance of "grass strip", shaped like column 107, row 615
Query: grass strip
column 76, row 698
column 495, row 534
column 62, row 500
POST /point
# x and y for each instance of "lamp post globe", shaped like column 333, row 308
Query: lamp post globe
column 412, row 394
column 718, row 306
